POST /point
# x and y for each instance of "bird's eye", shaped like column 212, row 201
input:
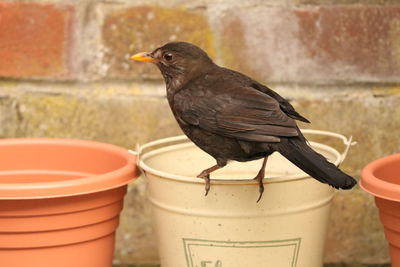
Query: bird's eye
column 168, row 56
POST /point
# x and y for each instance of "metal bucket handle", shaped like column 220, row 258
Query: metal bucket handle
column 346, row 141
column 140, row 148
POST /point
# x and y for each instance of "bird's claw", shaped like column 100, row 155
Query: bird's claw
column 206, row 177
column 260, row 178
column 261, row 190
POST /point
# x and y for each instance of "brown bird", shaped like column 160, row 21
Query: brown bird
column 233, row 117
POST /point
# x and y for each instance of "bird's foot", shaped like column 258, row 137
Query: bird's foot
column 260, row 178
column 206, row 176
column 261, row 190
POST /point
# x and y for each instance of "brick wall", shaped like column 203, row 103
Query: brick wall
column 65, row 72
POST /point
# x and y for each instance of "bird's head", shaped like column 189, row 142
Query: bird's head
column 178, row 62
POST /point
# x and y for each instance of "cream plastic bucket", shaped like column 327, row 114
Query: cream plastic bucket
column 228, row 228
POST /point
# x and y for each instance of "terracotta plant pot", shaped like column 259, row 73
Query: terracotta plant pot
column 60, row 201
column 381, row 178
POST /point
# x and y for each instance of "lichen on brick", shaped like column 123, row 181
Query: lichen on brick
column 130, row 30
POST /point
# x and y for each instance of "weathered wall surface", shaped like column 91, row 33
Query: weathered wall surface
column 65, row 72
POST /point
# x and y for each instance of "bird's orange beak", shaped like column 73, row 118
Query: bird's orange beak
column 143, row 57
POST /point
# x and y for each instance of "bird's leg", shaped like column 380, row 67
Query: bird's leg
column 206, row 175
column 259, row 177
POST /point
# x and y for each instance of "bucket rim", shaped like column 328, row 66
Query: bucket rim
column 92, row 183
column 189, row 179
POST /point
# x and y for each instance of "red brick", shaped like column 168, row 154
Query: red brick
column 35, row 40
column 323, row 44
column 134, row 29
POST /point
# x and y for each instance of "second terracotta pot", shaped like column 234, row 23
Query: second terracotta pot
column 381, row 178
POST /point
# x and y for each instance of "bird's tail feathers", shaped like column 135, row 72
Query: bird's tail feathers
column 299, row 153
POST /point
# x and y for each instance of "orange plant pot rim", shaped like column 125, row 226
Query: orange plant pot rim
column 70, row 187
column 376, row 186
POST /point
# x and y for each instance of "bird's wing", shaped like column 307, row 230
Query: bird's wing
column 283, row 103
column 249, row 115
